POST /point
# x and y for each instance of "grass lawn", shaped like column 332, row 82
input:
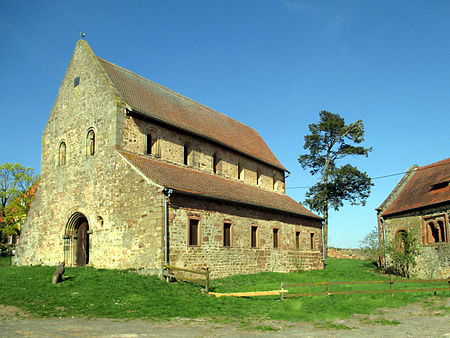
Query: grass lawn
column 98, row 293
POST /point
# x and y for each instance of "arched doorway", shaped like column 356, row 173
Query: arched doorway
column 76, row 241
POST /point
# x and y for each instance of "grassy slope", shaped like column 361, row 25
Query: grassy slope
column 122, row 294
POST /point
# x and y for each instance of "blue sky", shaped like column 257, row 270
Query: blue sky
column 271, row 64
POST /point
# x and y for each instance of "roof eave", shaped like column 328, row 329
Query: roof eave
column 433, row 205
column 197, row 195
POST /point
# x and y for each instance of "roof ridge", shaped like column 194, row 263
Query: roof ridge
column 435, row 164
column 176, row 93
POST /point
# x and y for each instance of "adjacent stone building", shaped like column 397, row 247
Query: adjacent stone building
column 134, row 175
column 421, row 203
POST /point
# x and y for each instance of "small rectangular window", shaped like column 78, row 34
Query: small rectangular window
column 193, row 231
column 76, row 81
column 297, row 239
column 254, row 236
column 312, row 240
column 227, row 234
column 276, row 238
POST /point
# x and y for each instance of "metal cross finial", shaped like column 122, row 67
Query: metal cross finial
column 82, row 34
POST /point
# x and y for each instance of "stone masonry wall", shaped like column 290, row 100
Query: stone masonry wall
column 171, row 149
column 346, row 253
column 240, row 257
column 123, row 209
column 78, row 184
column 433, row 259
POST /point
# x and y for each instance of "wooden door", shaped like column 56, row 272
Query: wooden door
column 82, row 244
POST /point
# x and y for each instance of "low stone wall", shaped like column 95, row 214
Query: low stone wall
column 346, row 253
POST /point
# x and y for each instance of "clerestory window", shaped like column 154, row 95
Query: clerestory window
column 151, row 142
column 187, row 154
column 258, row 177
column 217, row 165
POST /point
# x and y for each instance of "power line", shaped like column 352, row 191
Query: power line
column 389, row 175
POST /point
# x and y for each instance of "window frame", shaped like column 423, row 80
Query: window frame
column 217, row 163
column 276, row 241
column 443, row 230
column 187, row 154
column 154, row 148
column 258, row 177
column 256, row 232
column 298, row 239
column 399, row 240
column 230, row 223
column 90, row 151
column 188, row 231
column 240, row 170
column 312, row 241
column 62, row 144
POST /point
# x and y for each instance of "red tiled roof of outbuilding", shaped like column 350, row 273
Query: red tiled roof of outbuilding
column 428, row 186
column 167, row 106
column 213, row 186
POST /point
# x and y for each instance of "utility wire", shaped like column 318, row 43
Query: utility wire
column 389, row 175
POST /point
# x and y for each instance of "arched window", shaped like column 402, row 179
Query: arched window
column 151, row 142
column 217, row 166
column 187, row 154
column 435, row 230
column 274, row 182
column 401, row 238
column 90, row 143
column 258, row 177
column 442, row 237
column 62, row 154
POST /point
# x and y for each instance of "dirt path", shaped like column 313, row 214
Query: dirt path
column 425, row 319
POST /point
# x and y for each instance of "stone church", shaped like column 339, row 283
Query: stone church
column 420, row 203
column 135, row 175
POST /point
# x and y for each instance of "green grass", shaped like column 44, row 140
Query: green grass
column 5, row 261
column 98, row 293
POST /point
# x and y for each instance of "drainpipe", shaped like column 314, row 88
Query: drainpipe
column 168, row 193
column 384, row 241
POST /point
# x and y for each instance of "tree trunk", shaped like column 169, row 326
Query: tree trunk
column 325, row 210
column 325, row 231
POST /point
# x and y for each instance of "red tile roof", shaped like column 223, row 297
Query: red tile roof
column 213, row 186
column 167, row 106
column 425, row 188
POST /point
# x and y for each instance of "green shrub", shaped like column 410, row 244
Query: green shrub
column 402, row 252
column 6, row 250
